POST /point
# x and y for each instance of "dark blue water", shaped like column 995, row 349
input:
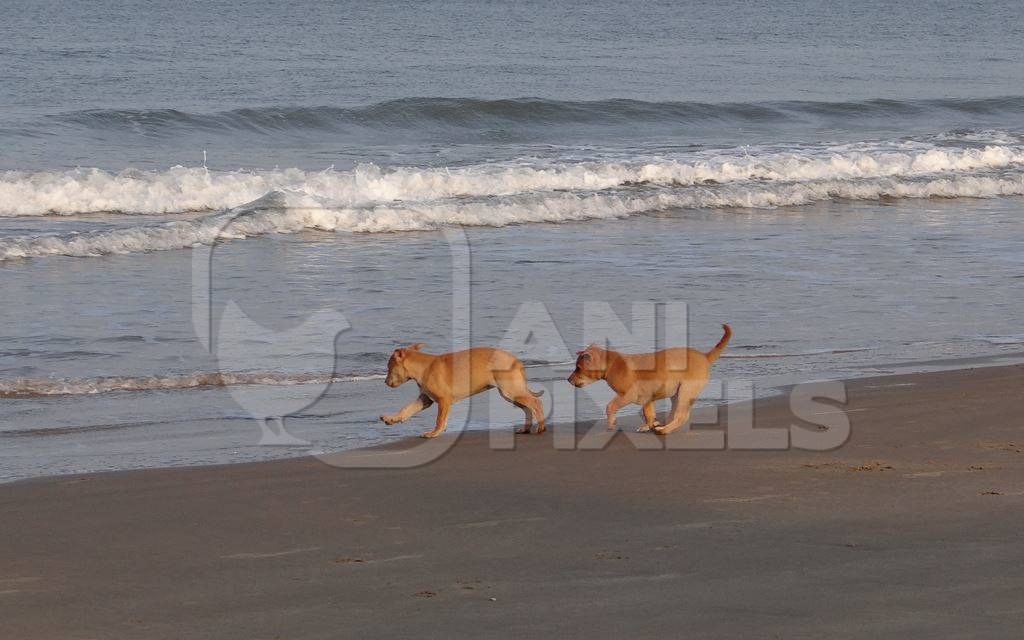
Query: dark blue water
column 114, row 84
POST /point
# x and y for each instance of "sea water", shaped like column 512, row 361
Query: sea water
column 842, row 184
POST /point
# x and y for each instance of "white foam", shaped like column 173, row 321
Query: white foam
column 35, row 387
column 281, row 212
column 182, row 189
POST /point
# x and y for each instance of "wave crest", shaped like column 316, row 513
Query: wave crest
column 286, row 212
column 182, row 189
column 476, row 114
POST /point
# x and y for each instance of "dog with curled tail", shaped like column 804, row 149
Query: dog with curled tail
column 448, row 378
column 645, row 378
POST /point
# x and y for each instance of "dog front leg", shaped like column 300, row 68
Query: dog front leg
column 613, row 408
column 650, row 417
column 443, row 407
column 409, row 410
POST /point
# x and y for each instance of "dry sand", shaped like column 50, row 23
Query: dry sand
column 913, row 529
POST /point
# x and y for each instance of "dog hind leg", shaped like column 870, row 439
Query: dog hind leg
column 515, row 389
column 682, row 404
column 535, row 410
column 531, row 406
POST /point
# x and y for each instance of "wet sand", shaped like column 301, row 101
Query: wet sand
column 912, row 529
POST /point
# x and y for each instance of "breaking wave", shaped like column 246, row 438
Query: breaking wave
column 291, row 212
column 209, row 206
column 288, row 212
column 182, row 189
column 40, row 387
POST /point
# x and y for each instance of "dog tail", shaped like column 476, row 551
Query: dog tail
column 535, row 394
column 720, row 347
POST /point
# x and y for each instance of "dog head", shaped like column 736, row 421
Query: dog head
column 591, row 366
column 398, row 373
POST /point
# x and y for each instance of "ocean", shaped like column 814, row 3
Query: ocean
column 215, row 212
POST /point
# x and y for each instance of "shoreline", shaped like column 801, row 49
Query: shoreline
column 769, row 387
column 911, row 527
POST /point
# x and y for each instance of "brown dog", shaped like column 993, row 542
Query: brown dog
column 645, row 378
column 448, row 378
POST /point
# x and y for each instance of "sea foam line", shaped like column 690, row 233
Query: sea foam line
column 40, row 387
column 281, row 212
column 182, row 189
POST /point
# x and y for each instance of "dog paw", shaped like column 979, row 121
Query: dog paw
column 661, row 431
column 388, row 420
column 430, row 434
column 523, row 430
column 648, row 427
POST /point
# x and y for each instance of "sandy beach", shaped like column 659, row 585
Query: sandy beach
column 229, row 231
column 911, row 529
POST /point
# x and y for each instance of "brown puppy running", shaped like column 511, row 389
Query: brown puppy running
column 448, row 378
column 645, row 378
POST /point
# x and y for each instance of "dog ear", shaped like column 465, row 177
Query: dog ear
column 417, row 346
column 399, row 355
